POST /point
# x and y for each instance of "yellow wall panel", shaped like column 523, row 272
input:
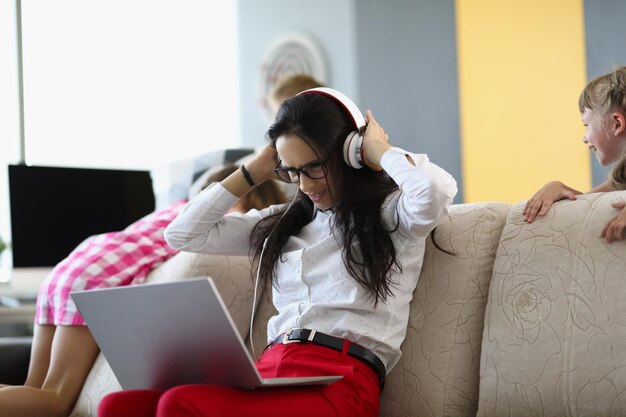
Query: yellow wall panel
column 521, row 69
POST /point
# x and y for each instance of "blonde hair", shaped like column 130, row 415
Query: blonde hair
column 292, row 85
column 603, row 95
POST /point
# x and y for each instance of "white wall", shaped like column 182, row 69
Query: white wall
column 128, row 84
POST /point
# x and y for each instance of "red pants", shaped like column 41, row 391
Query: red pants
column 357, row 394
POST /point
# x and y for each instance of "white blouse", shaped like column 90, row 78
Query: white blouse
column 315, row 289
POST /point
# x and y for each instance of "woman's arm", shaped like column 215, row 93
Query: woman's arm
column 427, row 190
column 203, row 227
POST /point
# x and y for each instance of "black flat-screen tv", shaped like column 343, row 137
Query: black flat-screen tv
column 53, row 209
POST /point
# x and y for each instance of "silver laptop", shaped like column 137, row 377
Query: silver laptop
column 156, row 336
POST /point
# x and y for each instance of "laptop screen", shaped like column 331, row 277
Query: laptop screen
column 53, row 209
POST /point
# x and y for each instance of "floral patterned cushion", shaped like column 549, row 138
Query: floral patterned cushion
column 439, row 369
column 555, row 325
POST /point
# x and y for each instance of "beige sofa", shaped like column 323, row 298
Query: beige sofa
column 523, row 320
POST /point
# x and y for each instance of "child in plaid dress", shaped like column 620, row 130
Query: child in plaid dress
column 63, row 349
column 107, row 260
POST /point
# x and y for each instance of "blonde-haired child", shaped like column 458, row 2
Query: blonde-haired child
column 602, row 105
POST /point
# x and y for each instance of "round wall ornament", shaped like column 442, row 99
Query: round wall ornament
column 292, row 53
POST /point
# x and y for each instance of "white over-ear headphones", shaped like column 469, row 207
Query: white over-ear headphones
column 353, row 144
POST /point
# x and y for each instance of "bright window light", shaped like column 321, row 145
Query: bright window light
column 128, row 83
column 9, row 120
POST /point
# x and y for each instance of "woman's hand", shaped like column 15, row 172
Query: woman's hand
column 616, row 227
column 261, row 167
column 375, row 143
column 540, row 203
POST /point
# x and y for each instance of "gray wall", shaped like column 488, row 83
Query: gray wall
column 261, row 23
column 605, row 30
column 395, row 57
column 408, row 75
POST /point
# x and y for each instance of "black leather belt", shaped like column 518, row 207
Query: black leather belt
column 336, row 343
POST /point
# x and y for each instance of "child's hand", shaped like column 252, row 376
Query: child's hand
column 616, row 227
column 375, row 143
column 540, row 203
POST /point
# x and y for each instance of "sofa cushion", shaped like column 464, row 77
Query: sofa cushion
column 439, row 369
column 264, row 311
column 555, row 325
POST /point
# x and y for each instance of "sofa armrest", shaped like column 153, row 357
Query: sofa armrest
column 14, row 359
column 555, row 325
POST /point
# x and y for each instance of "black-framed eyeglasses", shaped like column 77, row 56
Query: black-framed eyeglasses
column 315, row 170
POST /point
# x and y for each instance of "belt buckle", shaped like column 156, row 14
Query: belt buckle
column 286, row 340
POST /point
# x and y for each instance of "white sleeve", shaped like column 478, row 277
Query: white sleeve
column 203, row 227
column 426, row 191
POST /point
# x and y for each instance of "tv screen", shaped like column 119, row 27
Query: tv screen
column 53, row 209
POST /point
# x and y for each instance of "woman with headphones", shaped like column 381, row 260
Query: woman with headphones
column 342, row 259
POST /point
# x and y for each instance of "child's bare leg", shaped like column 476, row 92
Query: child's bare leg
column 40, row 355
column 72, row 356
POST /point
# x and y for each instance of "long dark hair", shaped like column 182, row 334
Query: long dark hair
column 368, row 250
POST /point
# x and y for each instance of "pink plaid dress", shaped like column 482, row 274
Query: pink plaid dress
column 102, row 261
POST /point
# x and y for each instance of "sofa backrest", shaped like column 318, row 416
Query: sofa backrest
column 555, row 326
column 438, row 372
